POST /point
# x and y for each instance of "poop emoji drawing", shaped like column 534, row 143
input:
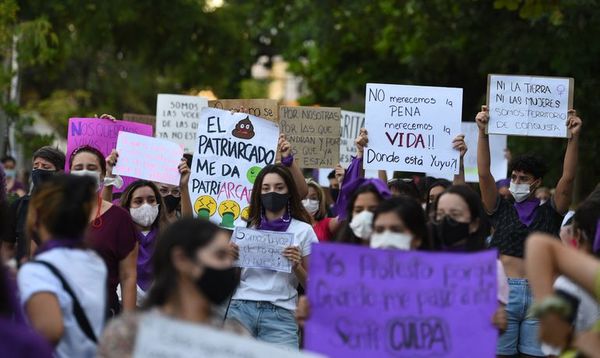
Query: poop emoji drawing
column 229, row 211
column 243, row 129
column 205, row 206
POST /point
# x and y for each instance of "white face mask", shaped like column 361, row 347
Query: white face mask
column 312, row 206
column 519, row 191
column 362, row 224
column 145, row 215
column 391, row 240
column 91, row 173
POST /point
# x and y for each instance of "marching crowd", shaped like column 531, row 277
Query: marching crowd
column 83, row 265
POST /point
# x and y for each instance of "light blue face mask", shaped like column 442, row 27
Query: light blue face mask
column 10, row 173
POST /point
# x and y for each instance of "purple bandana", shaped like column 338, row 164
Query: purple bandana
column 144, row 260
column 526, row 210
column 56, row 243
column 281, row 224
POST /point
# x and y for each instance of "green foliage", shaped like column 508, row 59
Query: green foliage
column 252, row 88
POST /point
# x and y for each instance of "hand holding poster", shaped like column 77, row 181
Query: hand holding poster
column 263, row 108
column 411, row 128
column 159, row 336
column 101, row 134
column 177, row 118
column 391, row 303
column 230, row 151
column 263, row 249
column 351, row 124
column 148, row 158
column 314, row 133
column 529, row 105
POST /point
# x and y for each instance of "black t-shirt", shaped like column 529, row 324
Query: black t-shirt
column 16, row 230
column 510, row 233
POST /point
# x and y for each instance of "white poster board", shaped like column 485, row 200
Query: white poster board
column 529, row 105
column 498, row 145
column 148, row 158
column 177, row 118
column 263, row 249
column 351, row 123
column 160, row 337
column 411, row 128
column 230, row 151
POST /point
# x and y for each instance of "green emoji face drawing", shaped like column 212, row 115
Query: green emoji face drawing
column 253, row 173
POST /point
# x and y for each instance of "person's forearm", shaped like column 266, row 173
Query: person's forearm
column 300, row 273
column 571, row 158
column 129, row 291
column 107, row 193
column 186, row 203
column 299, row 180
column 460, row 177
column 483, row 154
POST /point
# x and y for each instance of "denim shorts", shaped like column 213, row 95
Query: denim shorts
column 521, row 336
column 266, row 322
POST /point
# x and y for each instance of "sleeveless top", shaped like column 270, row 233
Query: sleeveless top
column 510, row 233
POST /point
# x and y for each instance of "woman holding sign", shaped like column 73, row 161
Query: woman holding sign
column 516, row 218
column 266, row 300
column 112, row 233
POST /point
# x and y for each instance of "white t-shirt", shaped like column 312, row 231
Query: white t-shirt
column 278, row 288
column 589, row 310
column 86, row 273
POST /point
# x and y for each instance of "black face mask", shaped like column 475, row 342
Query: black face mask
column 273, row 201
column 451, row 231
column 218, row 285
column 38, row 176
column 171, row 202
column 334, row 193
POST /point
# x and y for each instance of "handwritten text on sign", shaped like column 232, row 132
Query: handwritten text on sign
column 375, row 303
column 101, row 134
column 177, row 118
column 263, row 108
column 160, row 337
column 411, row 128
column 148, row 158
column 314, row 133
column 230, row 151
column 351, row 123
column 263, row 249
column 529, row 105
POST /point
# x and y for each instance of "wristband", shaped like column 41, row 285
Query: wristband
column 115, row 181
column 288, row 161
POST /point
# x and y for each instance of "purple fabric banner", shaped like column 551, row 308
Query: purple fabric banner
column 388, row 303
column 101, row 134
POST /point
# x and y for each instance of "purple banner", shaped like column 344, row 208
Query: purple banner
column 389, row 303
column 101, row 134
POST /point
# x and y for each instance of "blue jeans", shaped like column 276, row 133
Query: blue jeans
column 266, row 322
column 521, row 336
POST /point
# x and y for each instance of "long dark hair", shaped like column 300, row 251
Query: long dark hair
column 586, row 219
column 295, row 206
column 411, row 214
column 161, row 219
column 440, row 182
column 187, row 234
column 476, row 240
column 345, row 234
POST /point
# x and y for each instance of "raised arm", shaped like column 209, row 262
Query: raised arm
column 564, row 188
column 285, row 148
column 361, row 142
column 186, row 203
column 487, row 184
column 459, row 144
column 107, row 190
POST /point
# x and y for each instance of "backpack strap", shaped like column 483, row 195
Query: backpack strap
column 78, row 311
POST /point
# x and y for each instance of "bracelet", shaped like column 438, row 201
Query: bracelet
column 288, row 161
column 555, row 304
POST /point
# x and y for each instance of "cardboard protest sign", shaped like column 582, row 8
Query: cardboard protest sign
column 392, row 303
column 162, row 336
column 263, row 108
column 101, row 134
column 140, row 118
column 529, row 105
column 148, row 158
column 230, row 151
column 262, row 249
column 411, row 128
column 498, row 145
column 351, row 123
column 177, row 118
column 314, row 133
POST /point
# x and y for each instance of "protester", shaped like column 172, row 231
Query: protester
column 543, row 194
column 146, row 207
column 193, row 273
column 47, row 161
column 433, row 191
column 315, row 204
column 266, row 300
column 334, row 184
column 399, row 223
column 513, row 221
column 177, row 198
column 502, row 186
column 60, row 289
column 112, row 232
column 13, row 186
column 405, row 187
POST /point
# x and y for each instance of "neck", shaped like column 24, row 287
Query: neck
column 188, row 304
column 271, row 215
